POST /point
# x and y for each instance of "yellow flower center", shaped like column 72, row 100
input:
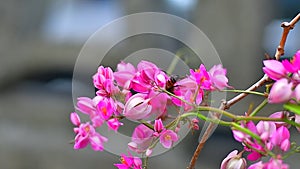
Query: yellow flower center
column 87, row 129
column 168, row 137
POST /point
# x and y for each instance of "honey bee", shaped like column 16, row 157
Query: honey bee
column 170, row 85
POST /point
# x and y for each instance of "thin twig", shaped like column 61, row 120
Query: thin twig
column 287, row 26
column 226, row 105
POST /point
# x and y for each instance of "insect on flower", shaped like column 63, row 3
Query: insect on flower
column 170, row 84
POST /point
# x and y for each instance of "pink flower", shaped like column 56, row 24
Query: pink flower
column 75, row 119
column 265, row 129
column 128, row 162
column 141, row 138
column 258, row 165
column 184, row 85
column 281, row 91
column 233, row 161
column 241, row 136
column 104, row 81
column 86, row 134
column 274, row 69
column 102, row 75
column 275, row 164
column 124, row 74
column 137, row 107
column 282, row 115
column 106, row 108
column 147, row 71
column 114, row 124
column 158, row 102
column 281, row 138
column 218, row 77
column 254, row 155
column 293, row 65
column 167, row 138
column 201, row 77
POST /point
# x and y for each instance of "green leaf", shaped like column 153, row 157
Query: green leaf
column 295, row 108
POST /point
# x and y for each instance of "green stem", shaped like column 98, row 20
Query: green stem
column 293, row 123
column 206, row 108
column 145, row 163
column 243, row 91
column 259, row 107
column 258, row 118
column 144, row 122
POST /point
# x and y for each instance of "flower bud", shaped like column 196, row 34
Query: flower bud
column 281, row 91
column 75, row 119
column 137, row 107
column 234, row 161
column 274, row 69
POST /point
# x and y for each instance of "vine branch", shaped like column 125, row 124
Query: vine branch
column 287, row 26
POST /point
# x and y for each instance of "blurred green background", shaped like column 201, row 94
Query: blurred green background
column 39, row 44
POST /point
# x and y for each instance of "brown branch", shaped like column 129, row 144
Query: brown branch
column 287, row 26
column 227, row 104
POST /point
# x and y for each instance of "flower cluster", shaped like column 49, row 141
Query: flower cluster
column 141, row 94
column 287, row 79
column 272, row 136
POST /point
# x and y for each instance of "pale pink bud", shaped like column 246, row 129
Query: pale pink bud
column 297, row 92
column 75, row 119
column 148, row 152
column 233, row 161
column 132, row 146
column 85, row 105
column 137, row 107
column 281, row 91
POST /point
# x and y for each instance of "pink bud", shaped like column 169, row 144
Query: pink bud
column 75, row 119
column 274, row 69
column 114, row 124
column 281, row 91
column 158, row 125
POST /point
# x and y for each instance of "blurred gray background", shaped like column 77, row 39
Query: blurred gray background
column 39, row 44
